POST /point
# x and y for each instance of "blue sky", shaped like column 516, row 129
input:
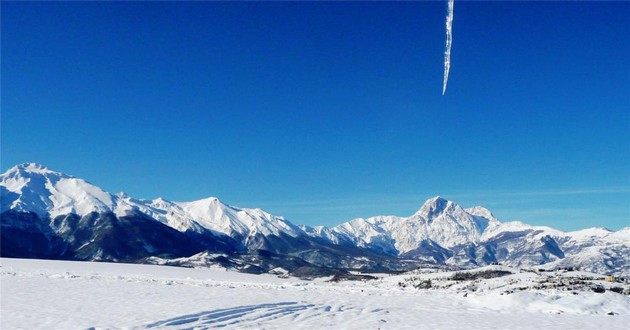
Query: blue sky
column 326, row 111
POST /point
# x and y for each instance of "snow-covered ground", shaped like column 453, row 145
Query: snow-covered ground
column 81, row 295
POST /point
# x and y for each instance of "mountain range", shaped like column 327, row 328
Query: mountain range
column 48, row 214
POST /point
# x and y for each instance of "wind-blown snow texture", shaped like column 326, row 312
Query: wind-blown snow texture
column 52, row 215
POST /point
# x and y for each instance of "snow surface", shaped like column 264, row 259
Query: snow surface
column 43, row 294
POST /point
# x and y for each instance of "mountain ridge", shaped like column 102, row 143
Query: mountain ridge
column 441, row 231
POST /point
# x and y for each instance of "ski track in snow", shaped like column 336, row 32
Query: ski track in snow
column 242, row 314
column 256, row 315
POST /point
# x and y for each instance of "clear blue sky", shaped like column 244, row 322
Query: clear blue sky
column 326, row 111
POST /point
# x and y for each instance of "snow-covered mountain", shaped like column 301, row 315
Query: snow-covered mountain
column 443, row 231
column 438, row 221
column 50, row 214
column 34, row 188
column 597, row 249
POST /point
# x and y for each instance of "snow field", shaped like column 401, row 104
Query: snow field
column 42, row 294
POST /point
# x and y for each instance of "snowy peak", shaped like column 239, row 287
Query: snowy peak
column 237, row 222
column 590, row 233
column 31, row 168
column 29, row 176
column 445, row 211
column 433, row 207
column 483, row 212
column 374, row 233
column 34, row 188
column 449, row 224
column 438, row 221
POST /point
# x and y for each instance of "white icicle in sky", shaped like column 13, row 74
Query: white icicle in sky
column 449, row 41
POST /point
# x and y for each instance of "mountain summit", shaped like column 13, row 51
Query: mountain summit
column 434, row 207
column 54, row 215
column 31, row 187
